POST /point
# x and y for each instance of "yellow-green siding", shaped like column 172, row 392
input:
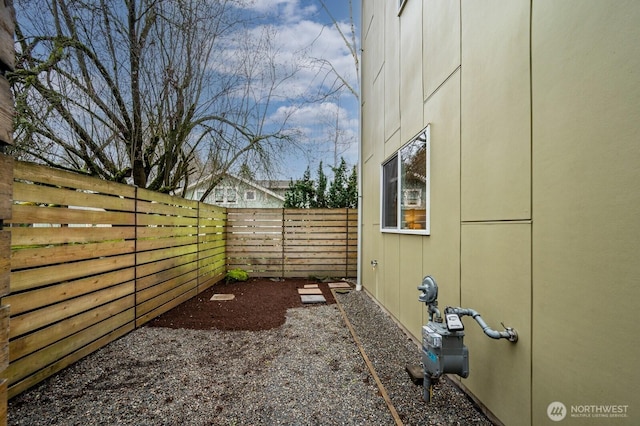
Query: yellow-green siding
column 534, row 113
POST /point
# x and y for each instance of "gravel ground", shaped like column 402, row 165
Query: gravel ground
column 307, row 372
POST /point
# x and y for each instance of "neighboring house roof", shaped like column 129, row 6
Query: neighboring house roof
column 276, row 192
column 275, row 184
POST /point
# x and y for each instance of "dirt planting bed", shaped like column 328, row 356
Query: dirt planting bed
column 259, row 304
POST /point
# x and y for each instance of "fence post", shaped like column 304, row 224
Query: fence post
column 136, row 235
column 282, row 251
column 7, row 63
column 199, row 243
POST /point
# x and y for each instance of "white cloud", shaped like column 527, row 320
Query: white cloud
column 298, row 40
column 322, row 124
column 284, row 10
column 301, row 41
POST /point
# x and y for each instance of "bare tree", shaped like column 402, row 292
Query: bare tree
column 350, row 42
column 137, row 90
column 336, row 82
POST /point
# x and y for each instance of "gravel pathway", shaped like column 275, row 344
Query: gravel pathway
column 307, row 372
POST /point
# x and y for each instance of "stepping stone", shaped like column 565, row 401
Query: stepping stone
column 339, row 285
column 313, row 299
column 219, row 297
column 311, row 286
column 309, row 291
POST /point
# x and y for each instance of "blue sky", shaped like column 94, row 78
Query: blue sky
column 303, row 31
column 303, row 38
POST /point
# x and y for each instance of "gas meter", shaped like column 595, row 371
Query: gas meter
column 443, row 349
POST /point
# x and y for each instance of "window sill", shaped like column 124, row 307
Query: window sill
column 424, row 232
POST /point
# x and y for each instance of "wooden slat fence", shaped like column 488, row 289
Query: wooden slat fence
column 256, row 241
column 92, row 260
column 293, row 242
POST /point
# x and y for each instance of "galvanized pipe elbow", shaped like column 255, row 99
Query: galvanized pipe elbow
column 509, row 333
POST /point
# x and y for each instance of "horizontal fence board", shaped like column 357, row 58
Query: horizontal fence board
column 165, row 286
column 28, row 192
column 254, row 213
column 161, row 309
column 45, row 215
column 143, row 219
column 149, row 232
column 296, row 258
column 165, row 274
column 266, row 272
column 165, row 298
column 40, row 256
column 217, row 246
column 325, row 262
column 258, row 261
column 251, row 250
column 37, row 277
column 293, row 244
column 26, row 236
column 34, row 320
column 48, row 355
column 313, row 273
column 34, row 341
column 165, row 253
column 326, row 215
column 162, row 243
column 212, row 270
column 239, row 223
column 66, row 361
column 310, row 232
column 252, row 263
column 316, row 239
column 207, row 281
column 206, row 266
column 219, row 239
column 215, row 224
column 60, row 178
column 160, row 198
column 254, row 239
column 150, row 268
column 305, row 250
column 35, row 299
column 211, row 210
column 216, row 259
column 340, row 269
column 167, row 209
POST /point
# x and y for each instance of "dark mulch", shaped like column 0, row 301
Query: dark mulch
column 259, row 304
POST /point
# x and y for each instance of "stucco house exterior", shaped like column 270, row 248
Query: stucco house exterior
column 527, row 205
column 238, row 192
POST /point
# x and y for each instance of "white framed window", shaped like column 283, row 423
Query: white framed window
column 250, row 195
column 232, row 195
column 218, row 195
column 225, row 194
column 405, row 188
